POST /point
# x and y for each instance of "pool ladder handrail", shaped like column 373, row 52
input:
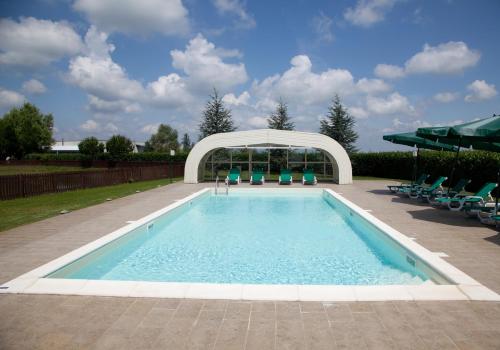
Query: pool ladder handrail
column 216, row 184
column 226, row 185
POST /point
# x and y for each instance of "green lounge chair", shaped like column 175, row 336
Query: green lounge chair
column 257, row 177
column 444, row 198
column 285, row 177
column 308, row 178
column 478, row 200
column 233, row 177
column 397, row 188
column 426, row 192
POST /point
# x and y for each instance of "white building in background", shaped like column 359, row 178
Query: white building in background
column 64, row 146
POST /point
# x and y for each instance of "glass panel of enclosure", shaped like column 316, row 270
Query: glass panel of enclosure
column 271, row 159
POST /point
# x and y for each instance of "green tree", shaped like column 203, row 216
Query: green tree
column 163, row 140
column 339, row 125
column 25, row 130
column 279, row 119
column 216, row 118
column 91, row 147
column 118, row 146
column 186, row 143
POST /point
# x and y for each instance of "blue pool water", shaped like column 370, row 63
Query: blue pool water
column 254, row 238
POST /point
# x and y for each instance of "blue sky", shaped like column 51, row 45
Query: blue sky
column 123, row 66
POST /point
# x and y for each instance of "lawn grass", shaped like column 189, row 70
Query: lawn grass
column 20, row 211
column 40, row 169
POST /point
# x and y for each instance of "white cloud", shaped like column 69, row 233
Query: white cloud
column 372, row 86
column 446, row 97
column 232, row 100
column 89, row 125
column 394, row 103
column 9, row 99
column 299, row 83
column 33, row 43
column 389, row 71
column 168, row 17
column 101, row 106
column 322, row 26
column 358, row 112
column 452, row 57
column 448, row 58
column 205, row 68
column 169, row 91
column 98, row 75
column 150, row 128
column 480, row 90
column 257, row 122
column 110, row 127
column 34, row 87
column 237, row 8
column 368, row 12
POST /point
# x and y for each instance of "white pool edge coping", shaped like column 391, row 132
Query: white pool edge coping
column 465, row 287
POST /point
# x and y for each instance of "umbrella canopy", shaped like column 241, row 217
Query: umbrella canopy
column 482, row 134
column 412, row 140
column 483, row 130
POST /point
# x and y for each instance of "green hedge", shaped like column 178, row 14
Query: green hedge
column 133, row 157
column 479, row 166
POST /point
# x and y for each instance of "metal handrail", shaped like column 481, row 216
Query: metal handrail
column 216, row 184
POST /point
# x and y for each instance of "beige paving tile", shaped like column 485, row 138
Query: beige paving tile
column 232, row 335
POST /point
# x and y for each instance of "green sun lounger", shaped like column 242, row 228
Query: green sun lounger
column 478, row 200
column 257, row 177
column 233, row 177
column 444, row 197
column 308, row 178
column 426, row 192
column 285, row 177
column 404, row 186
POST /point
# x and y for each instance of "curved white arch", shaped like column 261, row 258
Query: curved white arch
column 334, row 151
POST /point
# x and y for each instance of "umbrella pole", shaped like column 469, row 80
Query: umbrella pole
column 415, row 166
column 496, row 195
column 454, row 166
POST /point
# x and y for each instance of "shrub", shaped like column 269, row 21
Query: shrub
column 479, row 166
column 119, row 146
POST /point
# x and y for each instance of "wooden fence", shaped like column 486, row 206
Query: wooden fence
column 26, row 185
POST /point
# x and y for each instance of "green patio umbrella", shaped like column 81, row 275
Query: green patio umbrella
column 482, row 134
column 412, row 140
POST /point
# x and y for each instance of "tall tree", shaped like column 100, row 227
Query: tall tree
column 164, row 140
column 25, row 130
column 186, row 143
column 91, row 147
column 339, row 125
column 279, row 119
column 118, row 146
column 216, row 118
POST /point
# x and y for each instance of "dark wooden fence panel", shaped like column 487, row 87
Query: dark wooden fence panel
column 26, row 185
column 95, row 163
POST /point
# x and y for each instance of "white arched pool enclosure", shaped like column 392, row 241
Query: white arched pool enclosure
column 268, row 139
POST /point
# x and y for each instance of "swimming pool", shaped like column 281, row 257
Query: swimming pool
column 257, row 244
column 250, row 237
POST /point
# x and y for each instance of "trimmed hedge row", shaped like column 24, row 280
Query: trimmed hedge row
column 479, row 166
column 131, row 157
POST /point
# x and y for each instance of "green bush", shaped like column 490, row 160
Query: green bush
column 133, row 157
column 479, row 166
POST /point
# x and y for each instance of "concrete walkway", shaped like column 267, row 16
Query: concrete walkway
column 75, row 322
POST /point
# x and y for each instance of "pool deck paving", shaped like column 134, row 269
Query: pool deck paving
column 89, row 322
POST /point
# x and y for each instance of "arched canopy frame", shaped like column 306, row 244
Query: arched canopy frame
column 336, row 154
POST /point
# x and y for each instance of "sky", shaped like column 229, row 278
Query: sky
column 103, row 67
